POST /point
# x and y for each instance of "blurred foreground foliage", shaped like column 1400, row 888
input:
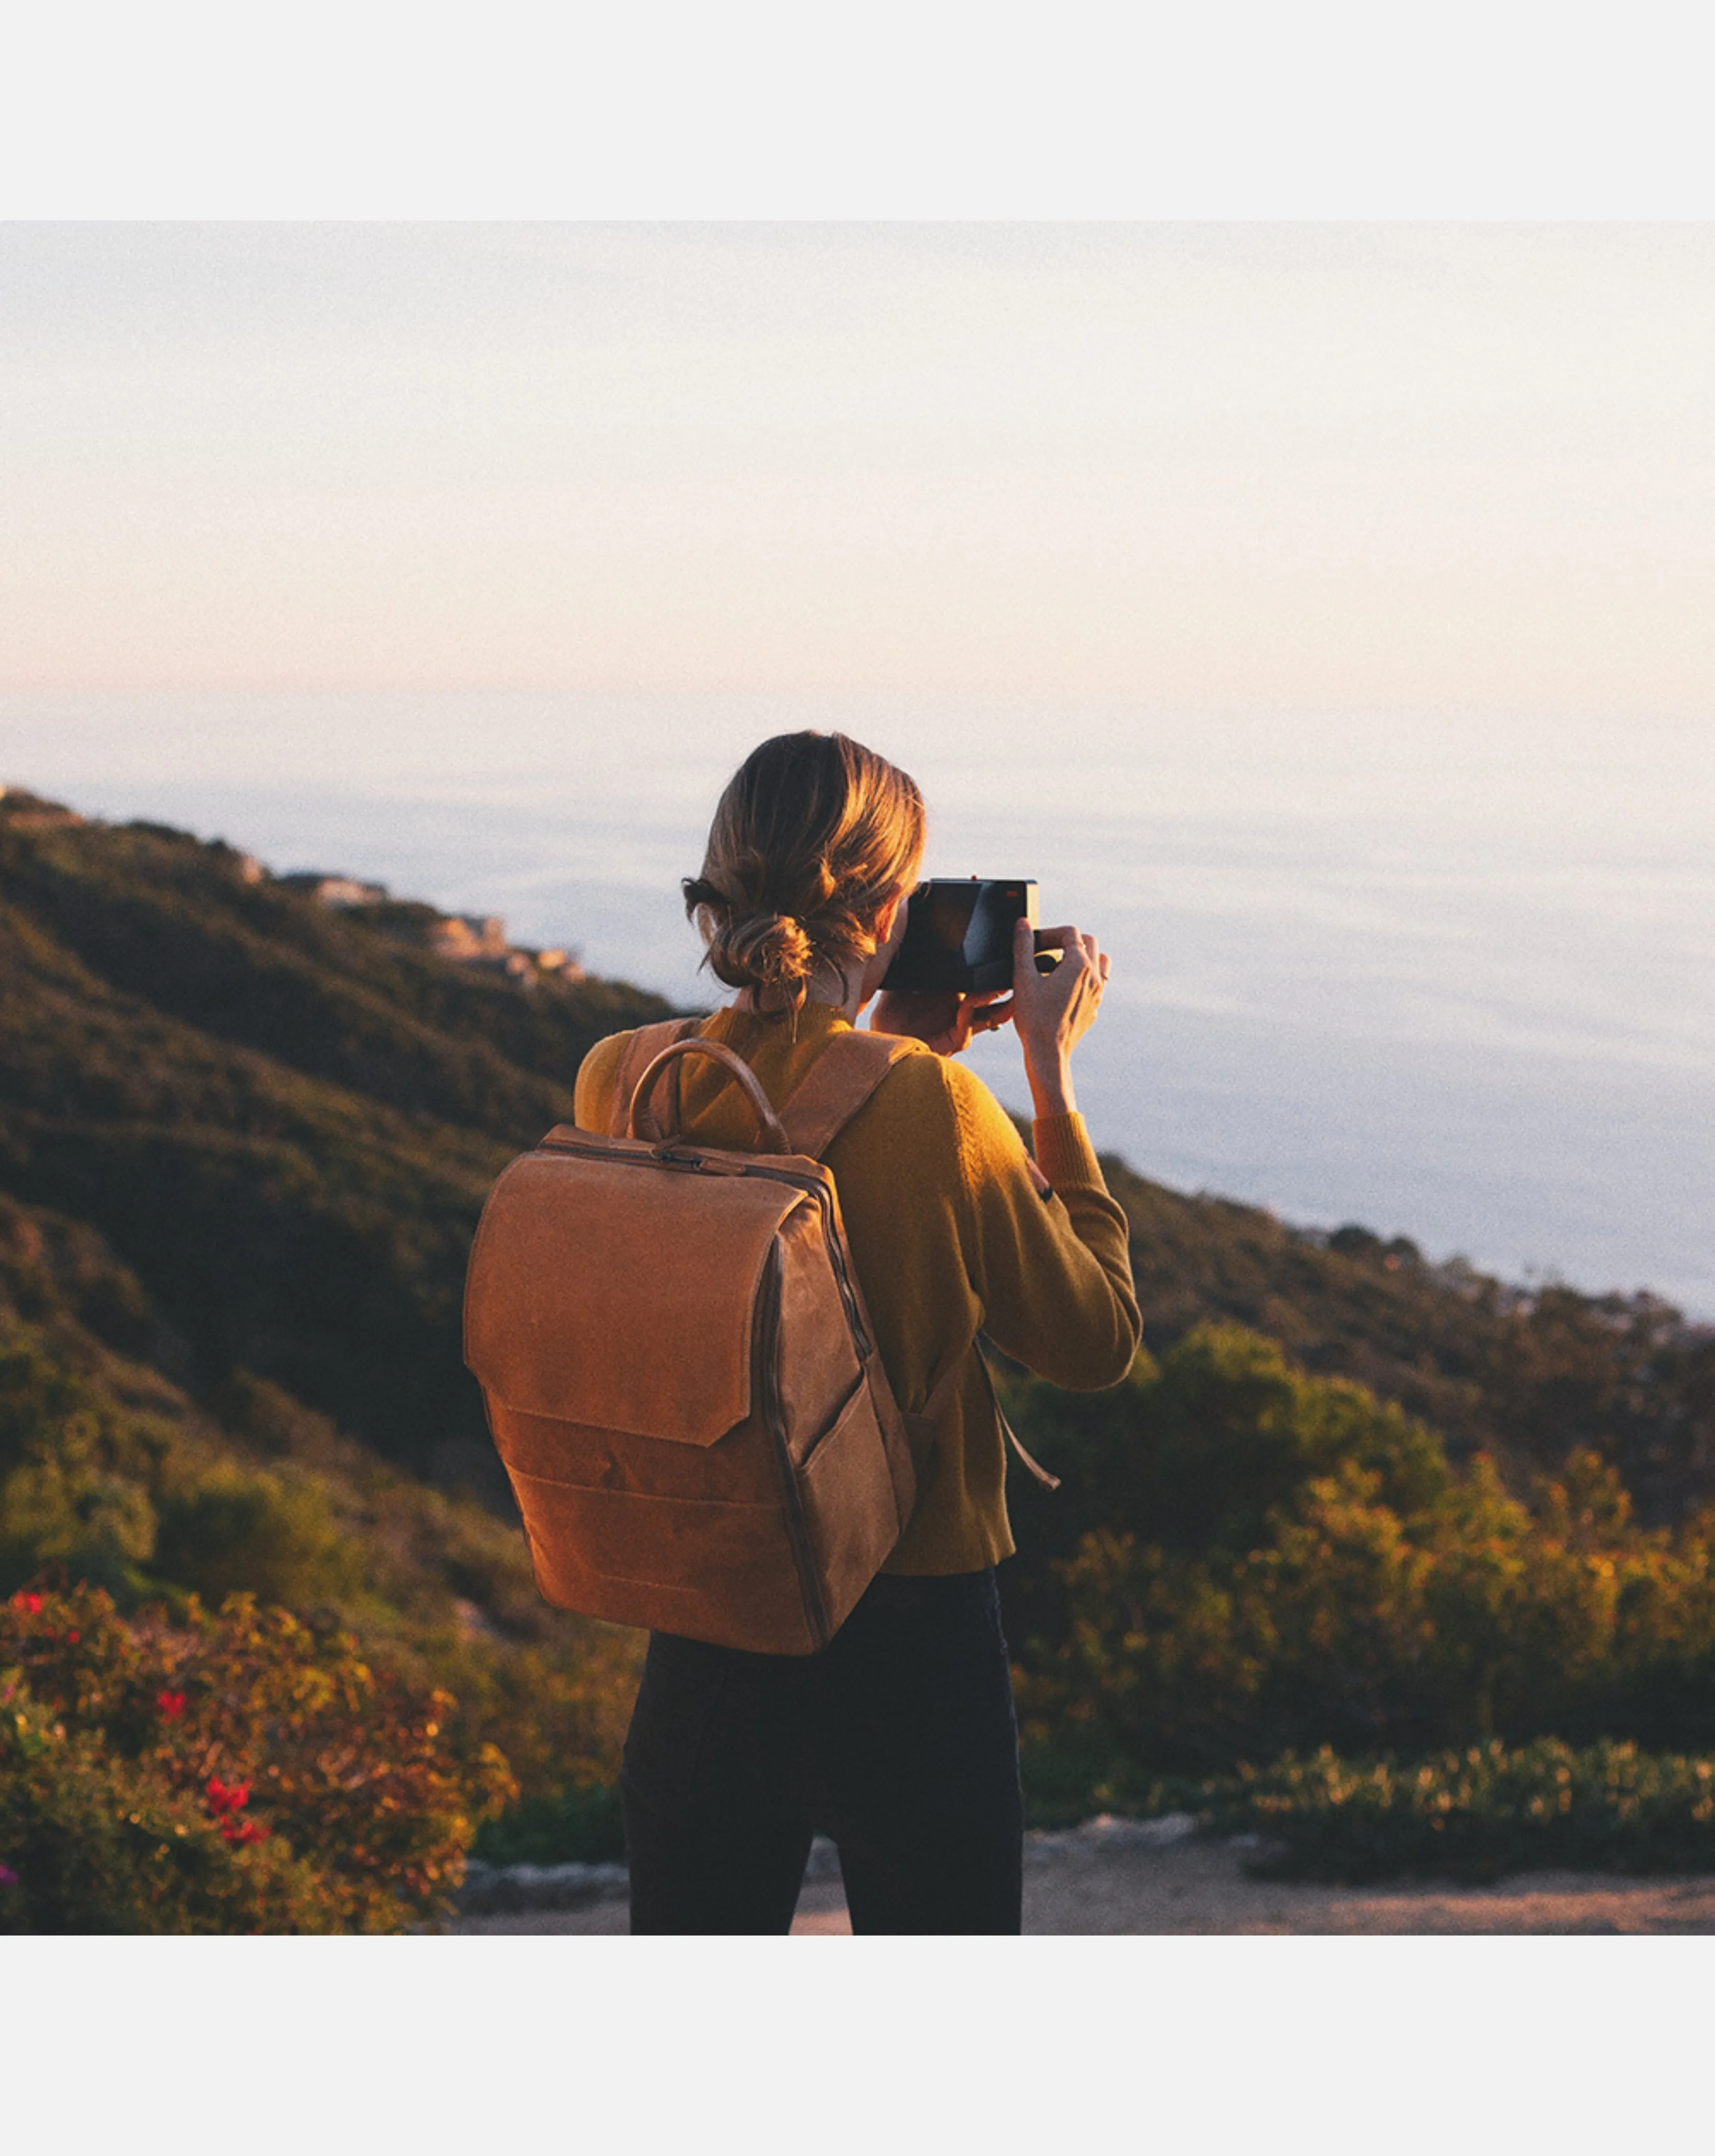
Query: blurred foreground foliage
column 150, row 1516
column 235, row 1772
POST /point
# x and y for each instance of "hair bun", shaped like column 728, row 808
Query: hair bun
column 761, row 951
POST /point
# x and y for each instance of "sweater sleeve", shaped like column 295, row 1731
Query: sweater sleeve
column 1052, row 1269
column 593, row 1100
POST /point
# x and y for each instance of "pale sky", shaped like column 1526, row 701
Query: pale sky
column 1468, row 467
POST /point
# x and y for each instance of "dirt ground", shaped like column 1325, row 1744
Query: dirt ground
column 1201, row 1887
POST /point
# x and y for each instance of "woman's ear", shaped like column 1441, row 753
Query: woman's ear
column 890, row 923
column 889, row 927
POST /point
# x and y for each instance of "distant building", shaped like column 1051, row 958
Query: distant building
column 468, row 936
column 467, row 939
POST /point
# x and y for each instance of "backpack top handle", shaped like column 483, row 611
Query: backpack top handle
column 643, row 1123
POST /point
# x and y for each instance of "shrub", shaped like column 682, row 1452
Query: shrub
column 1198, row 1454
column 580, row 1826
column 95, row 1842
column 1475, row 1813
column 74, row 1472
column 1320, row 1574
column 245, row 1728
column 234, row 1530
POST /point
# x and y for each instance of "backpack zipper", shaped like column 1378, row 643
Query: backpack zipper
column 814, row 1187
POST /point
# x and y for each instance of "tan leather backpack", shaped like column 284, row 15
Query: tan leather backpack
column 678, row 1369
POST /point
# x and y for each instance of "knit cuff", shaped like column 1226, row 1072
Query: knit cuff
column 1064, row 1152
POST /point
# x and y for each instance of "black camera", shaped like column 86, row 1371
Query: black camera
column 958, row 936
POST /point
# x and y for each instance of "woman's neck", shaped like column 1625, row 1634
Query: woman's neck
column 826, row 985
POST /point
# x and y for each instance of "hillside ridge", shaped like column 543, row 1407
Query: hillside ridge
column 280, row 1114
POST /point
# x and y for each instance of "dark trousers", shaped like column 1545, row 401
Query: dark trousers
column 898, row 1741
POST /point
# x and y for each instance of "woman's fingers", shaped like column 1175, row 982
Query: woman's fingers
column 990, row 1012
column 1053, row 1011
column 984, row 1012
column 1096, row 958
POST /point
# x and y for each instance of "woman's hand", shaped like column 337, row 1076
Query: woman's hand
column 1052, row 1012
column 944, row 1021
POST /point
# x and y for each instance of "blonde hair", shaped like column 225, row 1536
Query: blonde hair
column 812, row 836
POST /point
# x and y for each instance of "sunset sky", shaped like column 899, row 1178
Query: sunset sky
column 1348, row 467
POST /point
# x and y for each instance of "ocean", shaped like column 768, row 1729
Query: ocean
column 1452, row 976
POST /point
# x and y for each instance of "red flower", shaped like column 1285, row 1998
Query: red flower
column 223, row 1798
column 73, row 1637
column 242, row 1831
column 30, row 1604
column 172, row 1704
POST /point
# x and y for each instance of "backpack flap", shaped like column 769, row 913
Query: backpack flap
column 609, row 1290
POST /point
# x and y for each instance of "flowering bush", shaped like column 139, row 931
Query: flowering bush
column 237, row 1771
column 97, row 1842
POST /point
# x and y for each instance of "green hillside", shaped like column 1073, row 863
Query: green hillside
column 280, row 1118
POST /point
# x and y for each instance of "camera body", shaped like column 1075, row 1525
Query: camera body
column 958, row 935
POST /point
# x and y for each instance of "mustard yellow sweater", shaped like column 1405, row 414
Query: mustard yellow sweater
column 950, row 1235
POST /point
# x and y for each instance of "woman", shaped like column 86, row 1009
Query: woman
column 899, row 1740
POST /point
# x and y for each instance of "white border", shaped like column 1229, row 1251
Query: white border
column 900, row 108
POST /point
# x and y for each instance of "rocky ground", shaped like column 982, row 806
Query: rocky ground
column 1154, row 1876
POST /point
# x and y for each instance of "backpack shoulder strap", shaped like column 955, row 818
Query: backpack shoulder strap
column 838, row 1084
column 922, row 1428
column 645, row 1045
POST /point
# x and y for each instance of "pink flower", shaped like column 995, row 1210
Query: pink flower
column 8, row 1877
